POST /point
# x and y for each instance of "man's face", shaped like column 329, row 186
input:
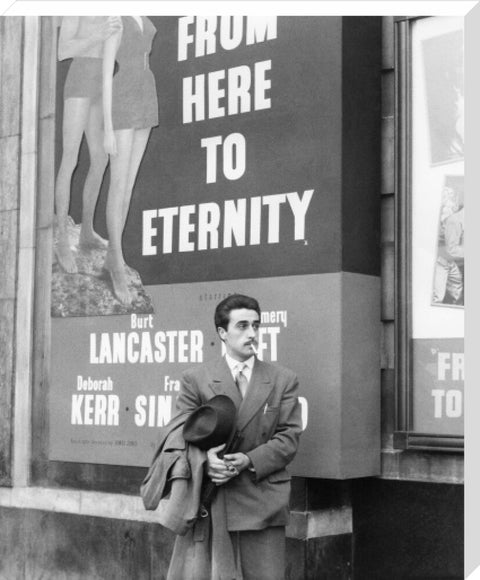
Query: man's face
column 241, row 333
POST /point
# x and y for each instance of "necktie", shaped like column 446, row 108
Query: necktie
column 241, row 380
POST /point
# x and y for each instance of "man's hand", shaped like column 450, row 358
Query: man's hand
column 240, row 461
column 218, row 470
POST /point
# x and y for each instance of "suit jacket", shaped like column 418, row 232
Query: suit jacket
column 269, row 423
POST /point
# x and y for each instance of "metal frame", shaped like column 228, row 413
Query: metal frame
column 404, row 436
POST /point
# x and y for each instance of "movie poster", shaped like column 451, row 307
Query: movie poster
column 211, row 162
column 203, row 194
column 437, row 227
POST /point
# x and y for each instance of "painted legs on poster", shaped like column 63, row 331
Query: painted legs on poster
column 81, row 115
column 131, row 144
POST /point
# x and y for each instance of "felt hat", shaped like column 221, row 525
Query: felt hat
column 211, row 424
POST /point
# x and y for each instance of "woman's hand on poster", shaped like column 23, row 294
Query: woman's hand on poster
column 110, row 143
column 109, row 26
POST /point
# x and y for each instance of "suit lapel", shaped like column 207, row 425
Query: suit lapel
column 223, row 384
column 258, row 392
column 259, row 389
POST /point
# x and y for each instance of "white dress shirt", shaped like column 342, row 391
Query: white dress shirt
column 235, row 366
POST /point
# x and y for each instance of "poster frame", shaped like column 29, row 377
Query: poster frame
column 405, row 437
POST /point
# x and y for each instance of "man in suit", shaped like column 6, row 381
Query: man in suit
column 252, row 482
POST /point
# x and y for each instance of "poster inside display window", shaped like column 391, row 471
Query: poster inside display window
column 436, row 251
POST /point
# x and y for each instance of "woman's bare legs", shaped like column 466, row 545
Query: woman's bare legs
column 75, row 115
column 138, row 151
column 89, row 239
column 131, row 144
column 114, row 261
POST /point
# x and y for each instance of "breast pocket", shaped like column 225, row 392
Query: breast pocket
column 268, row 423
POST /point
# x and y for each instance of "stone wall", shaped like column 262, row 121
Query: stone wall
column 11, row 36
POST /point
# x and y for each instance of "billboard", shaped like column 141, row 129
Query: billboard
column 230, row 182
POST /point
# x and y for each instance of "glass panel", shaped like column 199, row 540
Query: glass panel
column 437, row 227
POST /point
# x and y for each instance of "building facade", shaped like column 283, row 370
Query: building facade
column 307, row 161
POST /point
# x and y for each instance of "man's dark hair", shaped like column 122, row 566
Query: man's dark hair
column 233, row 302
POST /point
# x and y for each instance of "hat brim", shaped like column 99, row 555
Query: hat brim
column 211, row 424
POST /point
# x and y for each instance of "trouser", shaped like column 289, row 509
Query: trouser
column 253, row 555
column 261, row 553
